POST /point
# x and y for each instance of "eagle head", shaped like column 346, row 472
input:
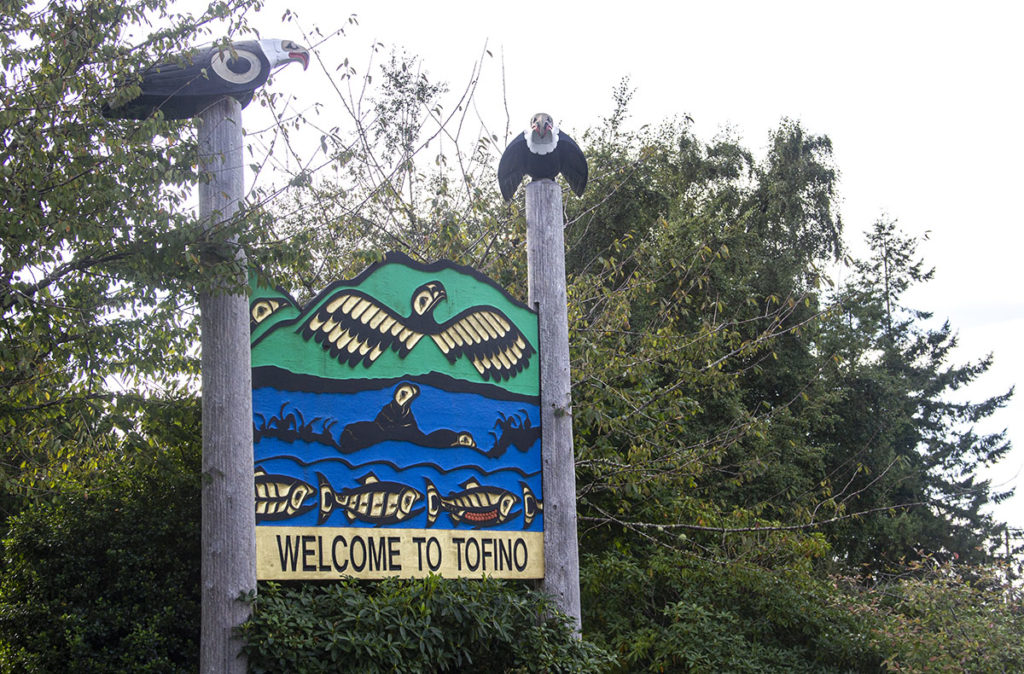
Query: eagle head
column 426, row 297
column 542, row 137
column 541, row 124
column 283, row 52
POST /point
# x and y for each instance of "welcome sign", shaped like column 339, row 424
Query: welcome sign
column 397, row 428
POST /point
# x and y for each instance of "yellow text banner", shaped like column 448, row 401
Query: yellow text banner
column 318, row 553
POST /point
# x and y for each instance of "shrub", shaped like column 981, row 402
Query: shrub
column 105, row 577
column 672, row 613
column 952, row 619
column 430, row 625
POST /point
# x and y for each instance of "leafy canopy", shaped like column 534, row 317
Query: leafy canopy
column 100, row 247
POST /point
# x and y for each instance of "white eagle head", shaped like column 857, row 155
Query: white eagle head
column 542, row 136
column 283, row 52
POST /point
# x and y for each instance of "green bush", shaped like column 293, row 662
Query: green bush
column 105, row 577
column 674, row 613
column 431, row 625
column 952, row 619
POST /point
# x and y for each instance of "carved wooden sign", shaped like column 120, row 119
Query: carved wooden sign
column 396, row 428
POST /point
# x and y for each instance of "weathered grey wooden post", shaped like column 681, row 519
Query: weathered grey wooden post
column 545, row 252
column 206, row 84
column 228, row 525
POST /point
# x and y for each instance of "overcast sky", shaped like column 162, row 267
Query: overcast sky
column 922, row 101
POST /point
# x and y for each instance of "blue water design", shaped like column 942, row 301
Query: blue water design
column 302, row 434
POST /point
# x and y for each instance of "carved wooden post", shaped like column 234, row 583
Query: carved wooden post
column 228, row 526
column 545, row 250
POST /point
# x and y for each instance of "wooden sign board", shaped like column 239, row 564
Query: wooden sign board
column 397, row 428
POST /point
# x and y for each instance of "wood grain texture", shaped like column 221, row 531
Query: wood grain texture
column 545, row 245
column 228, row 523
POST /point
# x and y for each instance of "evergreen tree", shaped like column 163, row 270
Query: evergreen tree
column 900, row 428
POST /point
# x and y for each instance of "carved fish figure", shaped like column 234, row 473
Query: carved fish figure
column 531, row 506
column 477, row 505
column 373, row 501
column 280, row 497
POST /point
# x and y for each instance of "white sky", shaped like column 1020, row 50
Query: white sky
column 922, row 101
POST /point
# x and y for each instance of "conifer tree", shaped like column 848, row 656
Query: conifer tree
column 901, row 424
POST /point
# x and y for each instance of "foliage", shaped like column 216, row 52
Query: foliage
column 898, row 418
column 690, row 336
column 100, row 248
column 400, row 170
column 737, row 423
column 429, row 625
column 724, row 432
column 756, row 451
column 952, row 619
column 721, row 390
column 104, row 576
column 670, row 612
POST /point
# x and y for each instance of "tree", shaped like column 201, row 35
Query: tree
column 917, row 451
column 719, row 380
column 742, row 432
column 100, row 248
column 692, row 330
column 709, row 406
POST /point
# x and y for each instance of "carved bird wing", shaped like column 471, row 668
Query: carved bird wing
column 355, row 328
column 183, row 87
column 512, row 166
column 239, row 68
column 573, row 163
column 485, row 335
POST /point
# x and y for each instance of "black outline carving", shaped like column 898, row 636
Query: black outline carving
column 282, row 497
column 372, row 495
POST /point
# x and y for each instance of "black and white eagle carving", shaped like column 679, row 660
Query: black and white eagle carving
column 542, row 151
column 186, row 85
column 355, row 328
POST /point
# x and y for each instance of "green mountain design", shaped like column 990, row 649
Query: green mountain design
column 278, row 340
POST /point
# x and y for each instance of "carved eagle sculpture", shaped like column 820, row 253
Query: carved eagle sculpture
column 188, row 84
column 355, row 328
column 542, row 151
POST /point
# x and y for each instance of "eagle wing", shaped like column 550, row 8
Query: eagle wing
column 355, row 328
column 512, row 166
column 191, row 82
column 573, row 163
column 238, row 68
column 485, row 335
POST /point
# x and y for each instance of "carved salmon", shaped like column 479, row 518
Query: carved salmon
column 373, row 501
column 280, row 497
column 476, row 505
